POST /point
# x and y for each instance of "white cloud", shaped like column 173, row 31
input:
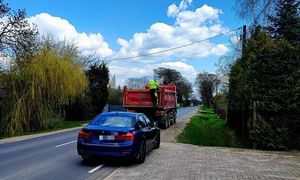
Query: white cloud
column 123, row 72
column 185, row 69
column 189, row 27
column 198, row 17
column 235, row 39
column 173, row 10
column 219, row 49
column 5, row 61
column 63, row 29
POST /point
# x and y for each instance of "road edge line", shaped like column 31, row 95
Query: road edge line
column 70, row 142
column 95, row 169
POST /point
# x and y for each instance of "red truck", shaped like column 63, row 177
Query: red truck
column 139, row 100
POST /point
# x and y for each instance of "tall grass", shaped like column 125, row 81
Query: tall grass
column 207, row 129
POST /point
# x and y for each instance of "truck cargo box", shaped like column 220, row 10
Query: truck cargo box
column 139, row 100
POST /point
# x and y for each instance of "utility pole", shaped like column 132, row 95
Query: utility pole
column 244, row 36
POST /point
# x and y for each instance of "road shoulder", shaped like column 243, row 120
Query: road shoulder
column 25, row 137
column 169, row 135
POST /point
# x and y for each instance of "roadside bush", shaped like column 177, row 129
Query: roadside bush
column 220, row 105
column 115, row 96
column 263, row 86
column 98, row 79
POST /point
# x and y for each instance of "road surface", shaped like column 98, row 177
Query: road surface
column 55, row 157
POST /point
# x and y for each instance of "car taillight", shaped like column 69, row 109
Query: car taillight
column 125, row 137
column 84, row 135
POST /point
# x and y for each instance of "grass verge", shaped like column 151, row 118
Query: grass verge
column 206, row 129
column 59, row 126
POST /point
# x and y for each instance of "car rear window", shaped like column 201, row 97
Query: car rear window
column 115, row 121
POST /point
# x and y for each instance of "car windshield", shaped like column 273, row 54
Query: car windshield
column 115, row 121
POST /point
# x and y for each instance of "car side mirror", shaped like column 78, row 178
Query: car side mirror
column 155, row 124
column 139, row 125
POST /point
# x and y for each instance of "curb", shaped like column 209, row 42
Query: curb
column 26, row 137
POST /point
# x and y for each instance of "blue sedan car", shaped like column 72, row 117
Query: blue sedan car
column 118, row 134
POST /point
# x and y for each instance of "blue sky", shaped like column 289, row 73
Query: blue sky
column 119, row 28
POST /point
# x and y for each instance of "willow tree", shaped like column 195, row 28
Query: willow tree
column 38, row 90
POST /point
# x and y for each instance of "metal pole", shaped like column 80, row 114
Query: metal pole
column 244, row 39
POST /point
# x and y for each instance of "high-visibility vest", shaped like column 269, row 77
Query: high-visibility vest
column 153, row 84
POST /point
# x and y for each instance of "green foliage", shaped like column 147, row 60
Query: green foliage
column 167, row 76
column 206, row 84
column 207, row 129
column 38, row 90
column 267, row 136
column 183, row 86
column 115, row 96
column 265, row 78
column 220, row 99
column 79, row 108
column 286, row 23
column 220, row 103
column 237, row 85
column 273, row 70
column 98, row 76
column 184, row 91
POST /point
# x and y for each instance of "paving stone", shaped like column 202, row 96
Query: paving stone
column 175, row 161
column 184, row 161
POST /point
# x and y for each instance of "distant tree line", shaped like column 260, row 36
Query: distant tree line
column 183, row 86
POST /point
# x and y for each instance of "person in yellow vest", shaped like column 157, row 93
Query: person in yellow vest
column 153, row 86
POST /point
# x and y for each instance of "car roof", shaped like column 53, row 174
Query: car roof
column 116, row 113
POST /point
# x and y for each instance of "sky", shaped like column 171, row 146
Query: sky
column 116, row 29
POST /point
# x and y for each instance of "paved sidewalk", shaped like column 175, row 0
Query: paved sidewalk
column 184, row 161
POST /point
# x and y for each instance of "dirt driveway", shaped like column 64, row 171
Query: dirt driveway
column 184, row 161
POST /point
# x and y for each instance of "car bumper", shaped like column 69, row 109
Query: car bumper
column 130, row 150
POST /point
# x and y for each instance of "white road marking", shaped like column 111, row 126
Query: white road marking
column 96, row 168
column 65, row 143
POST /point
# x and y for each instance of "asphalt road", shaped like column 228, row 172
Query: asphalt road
column 55, row 157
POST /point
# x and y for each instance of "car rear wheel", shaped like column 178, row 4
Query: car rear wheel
column 157, row 142
column 142, row 156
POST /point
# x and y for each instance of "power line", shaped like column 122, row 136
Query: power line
column 262, row 11
column 175, row 48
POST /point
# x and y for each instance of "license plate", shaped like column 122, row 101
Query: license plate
column 106, row 137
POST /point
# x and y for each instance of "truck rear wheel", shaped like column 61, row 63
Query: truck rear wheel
column 164, row 121
column 174, row 116
column 171, row 118
column 166, row 124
